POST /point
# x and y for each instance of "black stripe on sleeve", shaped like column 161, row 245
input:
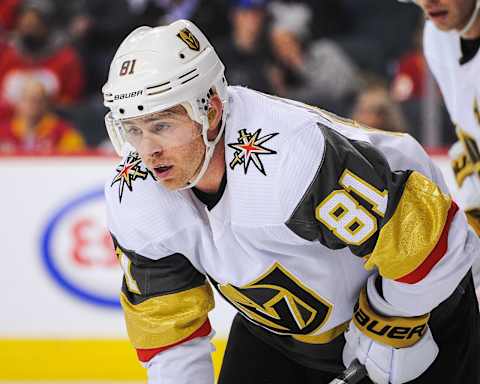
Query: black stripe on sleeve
column 170, row 274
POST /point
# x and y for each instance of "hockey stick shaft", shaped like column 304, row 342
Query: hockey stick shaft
column 352, row 375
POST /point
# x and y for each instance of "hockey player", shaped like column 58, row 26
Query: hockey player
column 332, row 241
column 451, row 47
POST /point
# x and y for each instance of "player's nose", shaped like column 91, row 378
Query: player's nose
column 150, row 146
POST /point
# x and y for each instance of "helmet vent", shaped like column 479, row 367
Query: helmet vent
column 191, row 78
column 157, row 89
column 186, row 74
column 158, row 85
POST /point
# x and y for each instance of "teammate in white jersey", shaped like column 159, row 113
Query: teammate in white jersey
column 451, row 46
column 332, row 241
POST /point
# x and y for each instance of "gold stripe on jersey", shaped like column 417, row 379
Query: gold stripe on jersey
column 473, row 217
column 471, row 149
column 166, row 319
column 414, row 229
column 462, row 168
column 325, row 337
column 398, row 332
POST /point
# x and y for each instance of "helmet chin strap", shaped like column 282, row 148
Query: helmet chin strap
column 472, row 19
column 209, row 148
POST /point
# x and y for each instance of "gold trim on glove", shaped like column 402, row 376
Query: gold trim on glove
column 397, row 332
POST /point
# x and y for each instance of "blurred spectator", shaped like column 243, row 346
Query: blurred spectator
column 245, row 51
column 96, row 28
column 375, row 108
column 34, row 127
column 8, row 14
column 209, row 15
column 380, row 31
column 313, row 71
column 417, row 93
column 66, row 11
column 409, row 77
column 37, row 50
column 332, row 18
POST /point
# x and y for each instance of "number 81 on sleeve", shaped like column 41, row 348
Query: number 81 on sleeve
column 345, row 216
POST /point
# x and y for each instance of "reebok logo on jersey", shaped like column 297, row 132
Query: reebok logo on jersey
column 128, row 172
column 248, row 149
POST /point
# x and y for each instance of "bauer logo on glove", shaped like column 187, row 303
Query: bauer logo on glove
column 399, row 332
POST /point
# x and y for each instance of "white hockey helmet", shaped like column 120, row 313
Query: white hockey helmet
column 155, row 69
column 471, row 20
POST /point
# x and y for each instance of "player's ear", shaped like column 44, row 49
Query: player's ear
column 211, row 114
column 214, row 113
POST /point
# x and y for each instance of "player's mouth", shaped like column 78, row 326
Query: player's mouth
column 437, row 16
column 162, row 171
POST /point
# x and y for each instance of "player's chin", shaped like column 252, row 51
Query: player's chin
column 172, row 184
column 176, row 179
column 444, row 27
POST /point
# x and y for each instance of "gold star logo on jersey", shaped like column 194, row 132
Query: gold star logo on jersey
column 476, row 110
column 188, row 38
column 128, row 172
column 249, row 148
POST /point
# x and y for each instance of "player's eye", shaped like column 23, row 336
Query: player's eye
column 159, row 127
column 133, row 131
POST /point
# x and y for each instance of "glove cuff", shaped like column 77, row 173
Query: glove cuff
column 395, row 331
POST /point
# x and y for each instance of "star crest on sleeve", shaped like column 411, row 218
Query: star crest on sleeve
column 128, row 172
column 249, row 148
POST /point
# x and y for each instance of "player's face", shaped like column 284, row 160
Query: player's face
column 169, row 143
column 448, row 14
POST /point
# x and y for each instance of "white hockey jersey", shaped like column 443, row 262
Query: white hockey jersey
column 312, row 205
column 460, row 85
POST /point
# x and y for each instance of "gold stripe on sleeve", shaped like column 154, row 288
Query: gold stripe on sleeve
column 167, row 319
column 413, row 231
